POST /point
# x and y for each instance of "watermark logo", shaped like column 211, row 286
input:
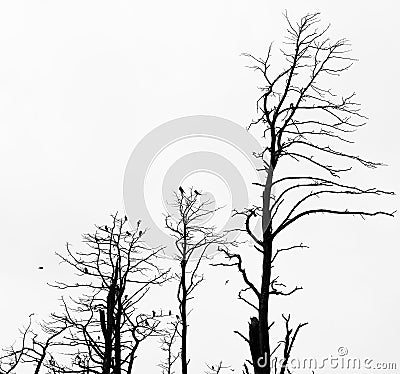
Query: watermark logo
column 340, row 361
column 212, row 154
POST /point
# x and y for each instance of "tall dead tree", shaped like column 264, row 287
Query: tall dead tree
column 193, row 238
column 303, row 121
column 115, row 271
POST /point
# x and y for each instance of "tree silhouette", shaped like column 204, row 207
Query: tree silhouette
column 115, row 272
column 34, row 347
column 303, row 121
column 193, row 237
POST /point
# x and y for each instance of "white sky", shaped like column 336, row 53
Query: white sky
column 81, row 82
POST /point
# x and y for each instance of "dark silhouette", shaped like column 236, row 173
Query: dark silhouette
column 299, row 117
column 181, row 190
column 117, row 261
column 40, row 267
column 192, row 240
column 34, row 347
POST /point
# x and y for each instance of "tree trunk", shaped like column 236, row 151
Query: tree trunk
column 184, row 319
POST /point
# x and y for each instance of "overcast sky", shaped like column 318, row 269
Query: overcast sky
column 82, row 82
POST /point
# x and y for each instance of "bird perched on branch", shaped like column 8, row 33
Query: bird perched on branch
column 181, row 190
column 154, row 313
column 106, row 228
column 126, row 218
column 86, row 270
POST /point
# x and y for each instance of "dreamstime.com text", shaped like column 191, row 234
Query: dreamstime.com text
column 339, row 361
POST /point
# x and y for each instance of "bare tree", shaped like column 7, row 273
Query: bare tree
column 33, row 349
column 303, row 121
column 217, row 369
column 168, row 339
column 115, row 271
column 193, row 237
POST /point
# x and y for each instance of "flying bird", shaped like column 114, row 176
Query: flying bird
column 181, row 190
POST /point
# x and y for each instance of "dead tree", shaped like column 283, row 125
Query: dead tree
column 115, row 271
column 193, row 237
column 217, row 368
column 302, row 121
column 34, row 348
column 168, row 339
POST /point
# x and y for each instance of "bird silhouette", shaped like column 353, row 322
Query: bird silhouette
column 140, row 233
column 128, row 233
column 106, row 228
column 126, row 218
column 154, row 313
column 177, row 317
column 169, row 313
column 197, row 192
column 181, row 190
column 40, row 268
column 226, row 282
column 146, row 322
column 86, row 270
